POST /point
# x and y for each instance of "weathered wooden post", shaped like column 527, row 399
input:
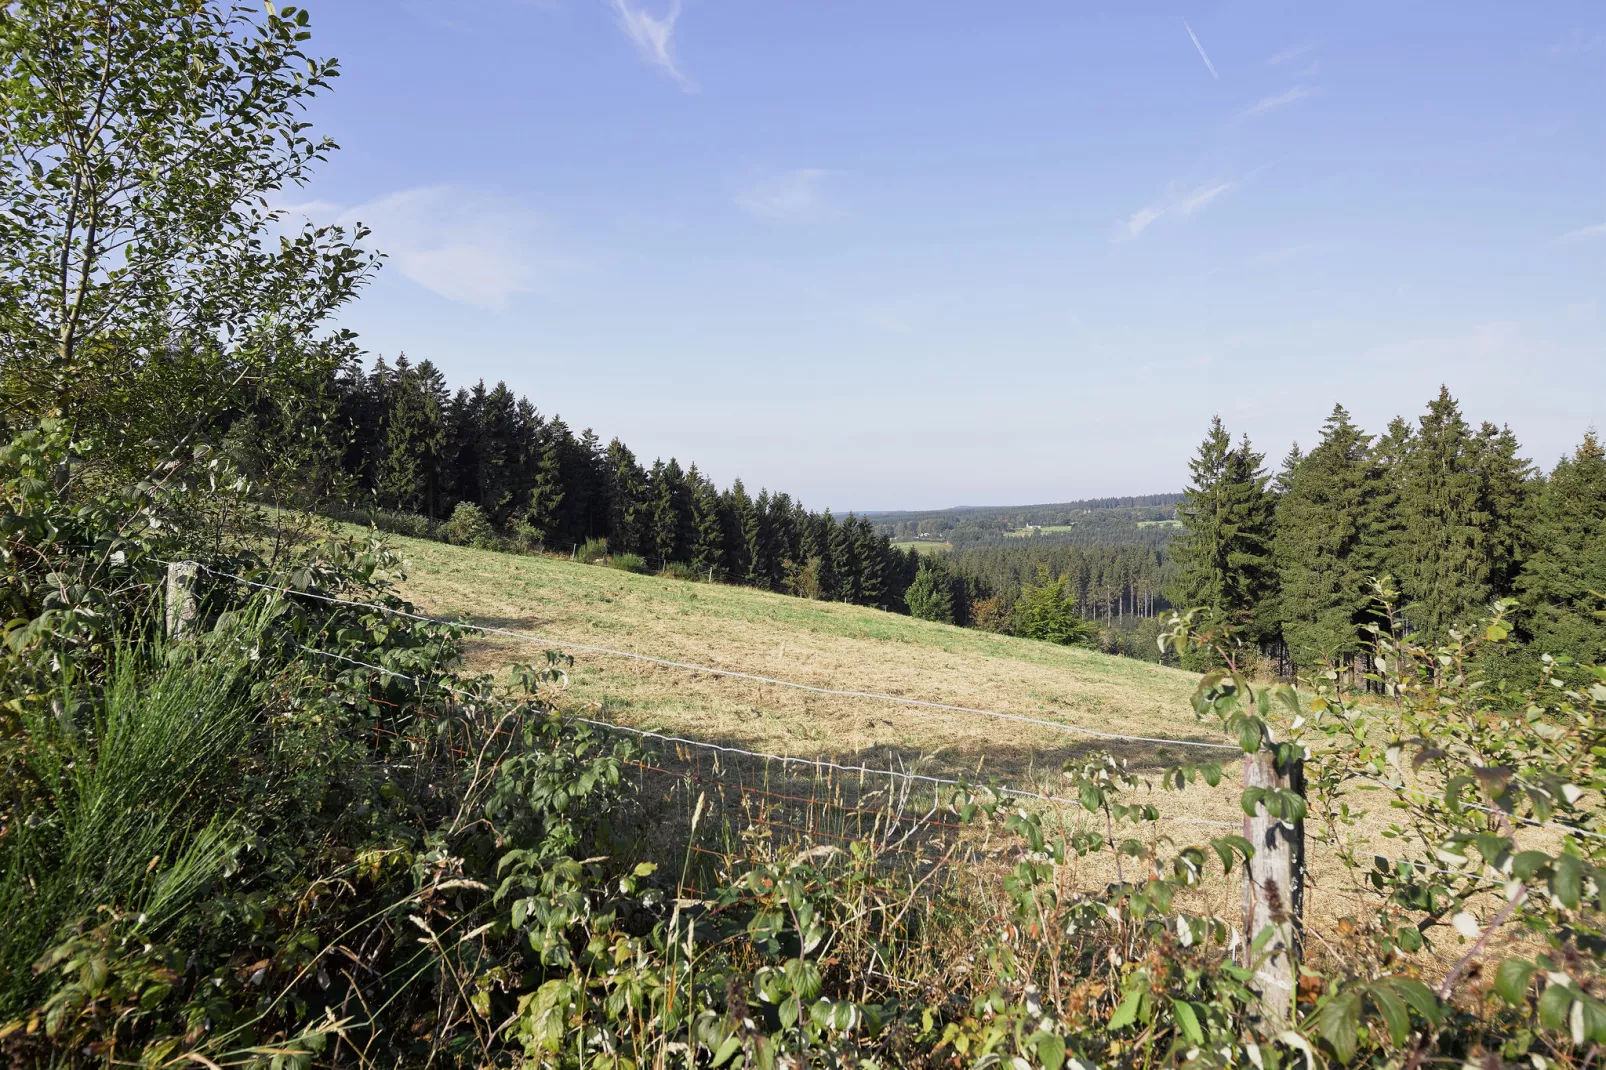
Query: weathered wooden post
column 1274, row 885
column 182, row 604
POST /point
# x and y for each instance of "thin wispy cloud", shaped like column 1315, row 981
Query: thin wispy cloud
column 1195, row 38
column 1289, row 54
column 1597, row 230
column 1276, row 101
column 653, row 36
column 790, row 197
column 1202, row 196
column 1178, row 203
column 470, row 248
column 1139, row 221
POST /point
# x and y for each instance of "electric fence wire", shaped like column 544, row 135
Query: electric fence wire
column 730, row 673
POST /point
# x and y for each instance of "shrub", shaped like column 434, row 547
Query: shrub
column 411, row 525
column 1044, row 612
column 990, row 614
column 627, row 562
column 468, row 526
column 591, row 551
column 678, row 570
column 931, row 595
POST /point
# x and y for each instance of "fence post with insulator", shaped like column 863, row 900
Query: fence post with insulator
column 1274, row 877
column 182, row 604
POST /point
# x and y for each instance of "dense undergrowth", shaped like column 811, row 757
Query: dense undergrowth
column 295, row 837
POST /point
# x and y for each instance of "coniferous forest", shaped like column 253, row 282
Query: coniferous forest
column 483, row 467
column 1450, row 512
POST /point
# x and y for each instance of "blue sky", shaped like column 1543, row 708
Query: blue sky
column 889, row 254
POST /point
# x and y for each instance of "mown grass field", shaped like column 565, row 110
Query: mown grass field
column 925, row 546
column 819, row 643
column 848, row 648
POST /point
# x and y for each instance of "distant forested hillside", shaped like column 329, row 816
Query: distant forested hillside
column 1147, row 519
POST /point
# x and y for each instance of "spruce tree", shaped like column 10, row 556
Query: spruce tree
column 543, row 511
column 872, row 565
column 414, row 436
column 740, row 533
column 626, row 500
column 1324, row 587
column 1506, row 491
column 461, row 480
column 437, row 399
column 822, row 533
column 708, row 538
column 1382, row 549
column 1224, row 556
column 1563, row 581
column 1455, row 536
column 755, row 540
column 931, row 595
column 845, row 559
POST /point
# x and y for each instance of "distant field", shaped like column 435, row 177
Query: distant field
column 925, row 546
column 1159, row 523
column 1046, row 529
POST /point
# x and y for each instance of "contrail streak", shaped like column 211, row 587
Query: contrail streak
column 1200, row 47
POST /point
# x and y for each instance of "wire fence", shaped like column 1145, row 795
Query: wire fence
column 766, row 801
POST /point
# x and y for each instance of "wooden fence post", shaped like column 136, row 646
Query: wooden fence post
column 1274, row 887
column 182, row 603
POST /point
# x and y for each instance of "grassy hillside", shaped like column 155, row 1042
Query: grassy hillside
column 818, row 643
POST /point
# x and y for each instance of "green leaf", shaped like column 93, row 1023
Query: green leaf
column 1251, row 799
column 1527, row 863
column 1188, row 1020
column 1249, row 735
column 727, row 1049
column 1127, row 1012
column 1392, row 1010
column 1554, row 1004
column 1418, row 995
column 1511, row 980
column 1339, row 1021
column 1566, row 880
column 1050, row 1051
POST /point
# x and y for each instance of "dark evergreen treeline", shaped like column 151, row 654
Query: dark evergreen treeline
column 492, row 466
column 1450, row 512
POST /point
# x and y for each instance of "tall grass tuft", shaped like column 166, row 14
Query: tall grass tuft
column 137, row 781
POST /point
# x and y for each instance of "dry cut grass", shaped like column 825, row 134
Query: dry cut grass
column 848, row 648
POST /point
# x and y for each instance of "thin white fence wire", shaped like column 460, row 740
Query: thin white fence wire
column 730, row 673
column 761, row 755
column 860, row 769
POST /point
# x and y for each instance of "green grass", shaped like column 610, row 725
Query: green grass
column 818, row 643
column 1160, row 523
column 925, row 546
column 1046, row 529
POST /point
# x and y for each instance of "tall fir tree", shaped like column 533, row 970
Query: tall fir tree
column 845, row 559
column 1223, row 559
column 1324, row 585
column 756, row 541
column 627, row 493
column 1459, row 511
column 414, row 439
column 544, row 511
column 1563, row 581
column 741, row 531
column 872, row 583
column 708, row 537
